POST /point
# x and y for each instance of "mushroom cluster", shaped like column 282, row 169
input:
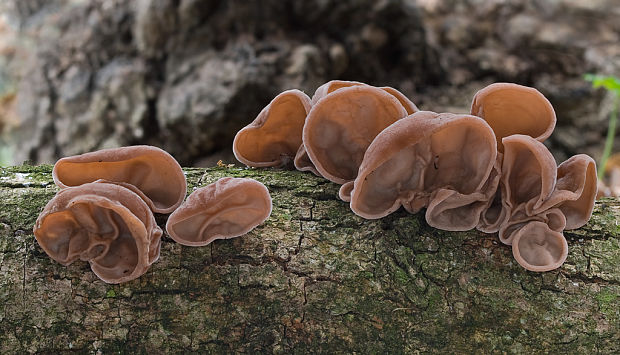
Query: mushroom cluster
column 104, row 212
column 487, row 170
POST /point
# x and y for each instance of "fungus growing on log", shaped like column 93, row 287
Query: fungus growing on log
column 274, row 137
column 225, row 209
column 540, row 201
column 341, row 125
column 440, row 161
column 531, row 184
column 514, row 109
column 537, row 247
column 149, row 171
column 107, row 225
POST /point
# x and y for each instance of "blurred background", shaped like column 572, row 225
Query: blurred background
column 185, row 75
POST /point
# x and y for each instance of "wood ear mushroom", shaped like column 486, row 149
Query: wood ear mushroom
column 225, row 209
column 107, row 225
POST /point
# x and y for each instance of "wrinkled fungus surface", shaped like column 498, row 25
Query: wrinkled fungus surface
column 151, row 172
column 514, row 109
column 438, row 161
column 107, row 225
column 341, row 125
column 274, row 137
column 225, row 209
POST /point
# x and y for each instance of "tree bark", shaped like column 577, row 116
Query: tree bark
column 313, row 278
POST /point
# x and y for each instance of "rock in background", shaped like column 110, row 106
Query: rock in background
column 185, row 75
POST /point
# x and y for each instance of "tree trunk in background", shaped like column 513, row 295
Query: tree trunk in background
column 314, row 277
column 186, row 75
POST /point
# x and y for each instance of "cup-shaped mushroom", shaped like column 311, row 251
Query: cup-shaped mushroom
column 423, row 153
column 342, row 125
column 514, row 109
column 575, row 190
column 331, row 86
column 538, row 248
column 157, row 176
column 225, row 209
column 107, row 225
column 528, row 174
column 553, row 218
column 274, row 137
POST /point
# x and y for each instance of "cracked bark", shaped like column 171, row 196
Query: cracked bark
column 314, row 277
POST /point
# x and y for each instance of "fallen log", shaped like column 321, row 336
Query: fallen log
column 313, row 278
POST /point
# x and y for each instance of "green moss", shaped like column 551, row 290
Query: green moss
column 609, row 302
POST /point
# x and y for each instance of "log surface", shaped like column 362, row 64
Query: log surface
column 313, row 278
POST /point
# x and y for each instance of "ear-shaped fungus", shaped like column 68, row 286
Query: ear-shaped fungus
column 156, row 175
column 341, row 125
column 441, row 161
column 302, row 160
column 107, row 225
column 538, row 248
column 331, row 86
column 514, row 109
column 225, row 209
column 274, row 137
column 575, row 190
column 539, row 201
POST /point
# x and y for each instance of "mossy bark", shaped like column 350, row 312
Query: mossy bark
column 313, row 278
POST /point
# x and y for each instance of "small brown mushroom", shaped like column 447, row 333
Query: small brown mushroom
column 441, row 161
column 341, row 125
column 536, row 247
column 514, row 109
column 107, row 225
column 334, row 85
column 274, row 137
column 528, row 179
column 331, row 86
column 528, row 173
column 156, row 175
column 575, row 190
column 225, row 209
column 553, row 218
column 302, row 160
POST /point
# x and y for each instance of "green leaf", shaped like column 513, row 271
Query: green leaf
column 611, row 83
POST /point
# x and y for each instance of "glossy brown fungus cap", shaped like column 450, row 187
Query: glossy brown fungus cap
column 536, row 247
column 341, row 125
column 528, row 179
column 225, row 209
column 441, row 161
column 156, row 175
column 107, row 225
column 514, row 109
column 274, row 137
column 575, row 190
column 331, row 86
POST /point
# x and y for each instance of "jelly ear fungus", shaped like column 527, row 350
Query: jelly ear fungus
column 107, row 225
column 149, row 171
column 225, row 209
